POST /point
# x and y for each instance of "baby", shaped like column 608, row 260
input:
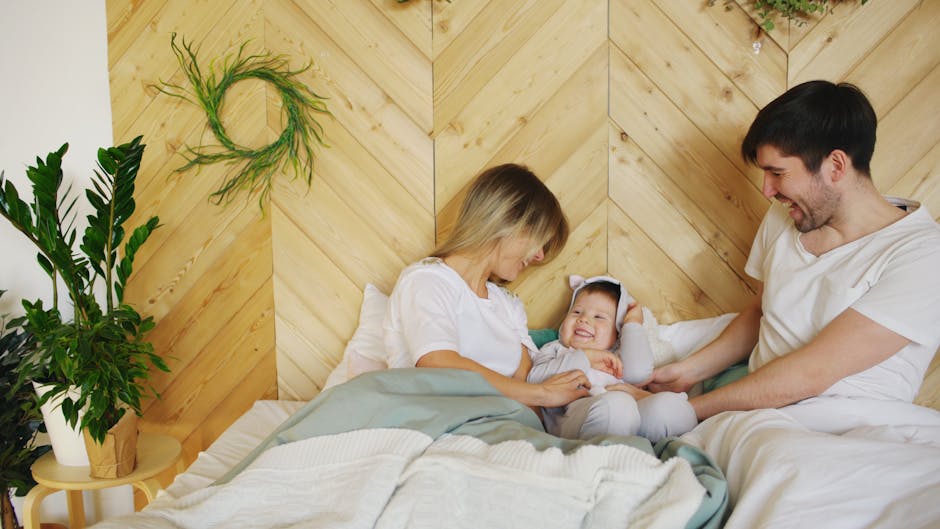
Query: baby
column 604, row 335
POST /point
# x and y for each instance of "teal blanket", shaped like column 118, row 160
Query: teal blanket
column 447, row 401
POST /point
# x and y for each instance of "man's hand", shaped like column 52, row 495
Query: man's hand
column 605, row 361
column 670, row 377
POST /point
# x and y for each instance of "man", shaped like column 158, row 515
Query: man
column 850, row 300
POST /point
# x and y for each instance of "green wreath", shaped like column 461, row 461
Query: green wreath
column 253, row 169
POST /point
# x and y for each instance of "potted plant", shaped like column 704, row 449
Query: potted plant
column 100, row 354
column 19, row 419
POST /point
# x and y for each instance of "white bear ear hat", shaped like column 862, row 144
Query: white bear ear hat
column 577, row 282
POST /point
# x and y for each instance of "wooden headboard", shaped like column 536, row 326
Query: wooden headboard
column 930, row 391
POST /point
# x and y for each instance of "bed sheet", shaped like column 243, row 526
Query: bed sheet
column 782, row 475
column 247, row 432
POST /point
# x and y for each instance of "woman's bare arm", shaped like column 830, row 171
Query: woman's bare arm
column 558, row 390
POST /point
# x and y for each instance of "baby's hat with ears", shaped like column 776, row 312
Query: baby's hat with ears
column 577, row 282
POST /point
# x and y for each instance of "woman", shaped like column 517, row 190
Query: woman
column 449, row 310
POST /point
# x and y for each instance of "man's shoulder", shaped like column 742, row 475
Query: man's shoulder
column 917, row 234
column 923, row 224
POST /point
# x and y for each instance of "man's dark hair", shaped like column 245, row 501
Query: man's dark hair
column 813, row 119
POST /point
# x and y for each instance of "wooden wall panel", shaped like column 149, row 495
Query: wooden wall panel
column 369, row 211
column 632, row 111
column 529, row 87
column 841, row 39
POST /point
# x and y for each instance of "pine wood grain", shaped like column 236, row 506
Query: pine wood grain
column 682, row 151
column 842, row 38
column 684, row 75
column 504, row 105
column 908, row 131
column 379, row 50
column 359, row 103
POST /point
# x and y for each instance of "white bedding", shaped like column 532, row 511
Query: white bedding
column 396, row 449
column 233, row 445
column 397, row 478
column 782, row 475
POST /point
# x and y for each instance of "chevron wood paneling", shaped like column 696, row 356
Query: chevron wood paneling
column 528, row 85
column 631, row 111
column 370, row 211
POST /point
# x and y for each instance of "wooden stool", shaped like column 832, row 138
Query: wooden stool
column 155, row 453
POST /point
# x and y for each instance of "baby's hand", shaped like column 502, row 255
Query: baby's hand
column 605, row 361
column 634, row 314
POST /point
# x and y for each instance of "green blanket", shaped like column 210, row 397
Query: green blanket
column 441, row 401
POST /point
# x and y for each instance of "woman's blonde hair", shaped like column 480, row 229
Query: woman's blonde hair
column 507, row 200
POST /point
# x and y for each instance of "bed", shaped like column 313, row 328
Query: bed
column 781, row 474
column 394, row 448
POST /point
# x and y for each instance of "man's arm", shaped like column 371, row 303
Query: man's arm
column 733, row 345
column 851, row 343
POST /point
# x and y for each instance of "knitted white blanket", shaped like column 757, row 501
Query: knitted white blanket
column 396, row 478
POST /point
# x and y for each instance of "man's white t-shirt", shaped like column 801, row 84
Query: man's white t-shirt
column 432, row 308
column 891, row 276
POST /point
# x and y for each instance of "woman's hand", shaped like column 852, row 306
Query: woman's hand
column 563, row 388
column 605, row 361
column 558, row 390
column 635, row 392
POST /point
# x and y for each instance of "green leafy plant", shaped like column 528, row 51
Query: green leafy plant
column 795, row 11
column 102, row 350
column 253, row 169
column 19, row 418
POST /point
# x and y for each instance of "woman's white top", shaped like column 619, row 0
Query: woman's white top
column 432, row 308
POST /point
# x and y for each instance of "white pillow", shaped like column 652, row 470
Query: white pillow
column 366, row 349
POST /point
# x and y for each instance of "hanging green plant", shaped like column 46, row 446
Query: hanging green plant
column 795, row 11
column 252, row 169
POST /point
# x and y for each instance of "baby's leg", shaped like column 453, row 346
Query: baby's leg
column 610, row 413
column 666, row 415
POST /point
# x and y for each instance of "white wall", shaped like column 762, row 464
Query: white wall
column 54, row 89
column 54, row 66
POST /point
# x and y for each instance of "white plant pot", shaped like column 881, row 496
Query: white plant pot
column 68, row 445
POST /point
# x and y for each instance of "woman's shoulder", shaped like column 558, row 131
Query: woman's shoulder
column 429, row 266
column 429, row 271
column 508, row 299
column 503, row 293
